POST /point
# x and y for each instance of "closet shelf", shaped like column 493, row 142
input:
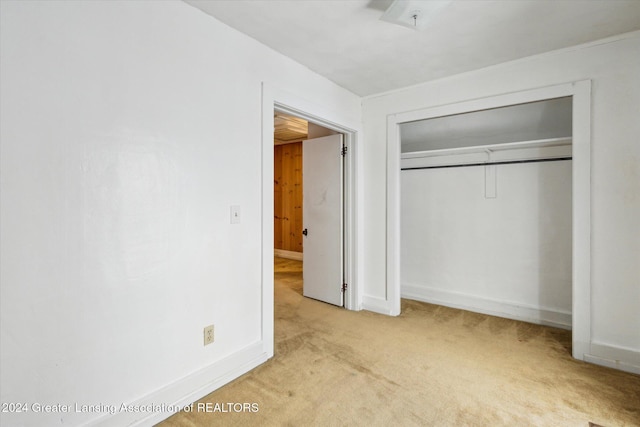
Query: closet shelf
column 541, row 143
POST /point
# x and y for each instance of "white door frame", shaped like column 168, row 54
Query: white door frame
column 581, row 193
column 274, row 99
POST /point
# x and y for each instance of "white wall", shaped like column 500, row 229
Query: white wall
column 508, row 255
column 613, row 66
column 317, row 131
column 127, row 131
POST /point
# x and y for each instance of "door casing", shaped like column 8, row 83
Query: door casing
column 580, row 91
column 275, row 99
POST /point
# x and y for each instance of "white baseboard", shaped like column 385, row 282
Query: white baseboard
column 615, row 357
column 375, row 304
column 188, row 389
column 527, row 313
column 281, row 253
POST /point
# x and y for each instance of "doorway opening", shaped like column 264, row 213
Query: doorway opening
column 275, row 100
column 309, row 207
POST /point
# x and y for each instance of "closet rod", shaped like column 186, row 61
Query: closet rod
column 510, row 162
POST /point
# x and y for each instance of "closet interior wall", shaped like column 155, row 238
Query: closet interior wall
column 492, row 239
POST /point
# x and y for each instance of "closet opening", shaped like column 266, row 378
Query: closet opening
column 486, row 211
column 580, row 94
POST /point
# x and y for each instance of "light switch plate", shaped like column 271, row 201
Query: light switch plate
column 235, row 214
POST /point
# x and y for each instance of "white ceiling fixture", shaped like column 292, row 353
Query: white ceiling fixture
column 415, row 14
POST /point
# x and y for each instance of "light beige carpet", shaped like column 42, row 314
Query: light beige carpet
column 431, row 366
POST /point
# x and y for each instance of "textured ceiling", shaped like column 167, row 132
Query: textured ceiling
column 288, row 128
column 345, row 41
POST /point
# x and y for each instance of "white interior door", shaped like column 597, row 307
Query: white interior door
column 322, row 169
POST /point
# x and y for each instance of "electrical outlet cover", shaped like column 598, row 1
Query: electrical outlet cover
column 208, row 335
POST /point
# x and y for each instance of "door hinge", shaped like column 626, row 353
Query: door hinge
column 344, row 151
column 344, row 287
